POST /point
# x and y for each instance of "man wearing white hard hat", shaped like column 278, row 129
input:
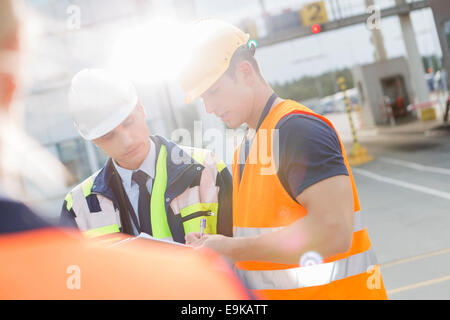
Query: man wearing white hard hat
column 149, row 184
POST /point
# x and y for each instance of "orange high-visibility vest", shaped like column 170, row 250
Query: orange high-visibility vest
column 262, row 205
column 54, row 264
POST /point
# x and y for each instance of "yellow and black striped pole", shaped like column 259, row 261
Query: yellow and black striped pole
column 358, row 155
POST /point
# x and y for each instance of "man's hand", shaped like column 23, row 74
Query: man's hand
column 216, row 242
column 192, row 237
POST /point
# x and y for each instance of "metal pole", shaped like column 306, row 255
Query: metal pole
column 343, row 87
column 358, row 155
column 414, row 58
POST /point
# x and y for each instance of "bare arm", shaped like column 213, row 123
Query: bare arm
column 326, row 229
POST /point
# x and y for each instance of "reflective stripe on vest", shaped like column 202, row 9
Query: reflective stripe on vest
column 98, row 232
column 309, row 276
column 262, row 205
column 69, row 201
column 160, row 226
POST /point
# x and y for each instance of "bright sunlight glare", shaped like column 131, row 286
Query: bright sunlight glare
column 151, row 53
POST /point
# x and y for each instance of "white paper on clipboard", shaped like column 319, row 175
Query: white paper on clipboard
column 144, row 235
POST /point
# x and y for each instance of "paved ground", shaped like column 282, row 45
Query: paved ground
column 405, row 198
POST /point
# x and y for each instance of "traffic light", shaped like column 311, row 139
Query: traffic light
column 315, row 28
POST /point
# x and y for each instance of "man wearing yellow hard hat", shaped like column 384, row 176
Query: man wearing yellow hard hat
column 298, row 233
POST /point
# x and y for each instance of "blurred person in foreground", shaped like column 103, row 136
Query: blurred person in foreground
column 298, row 232
column 39, row 261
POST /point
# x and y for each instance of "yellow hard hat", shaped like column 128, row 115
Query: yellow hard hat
column 215, row 42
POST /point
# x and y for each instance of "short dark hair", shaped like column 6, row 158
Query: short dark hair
column 243, row 53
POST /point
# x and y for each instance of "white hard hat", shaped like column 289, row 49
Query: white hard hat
column 99, row 101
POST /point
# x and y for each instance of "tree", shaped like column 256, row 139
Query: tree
column 309, row 87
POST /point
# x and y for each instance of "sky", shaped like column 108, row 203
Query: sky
column 329, row 50
column 310, row 55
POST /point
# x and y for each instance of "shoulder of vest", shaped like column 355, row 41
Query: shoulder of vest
column 289, row 107
column 293, row 106
column 85, row 187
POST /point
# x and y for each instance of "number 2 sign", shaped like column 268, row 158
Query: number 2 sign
column 314, row 12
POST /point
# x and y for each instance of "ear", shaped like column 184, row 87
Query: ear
column 246, row 72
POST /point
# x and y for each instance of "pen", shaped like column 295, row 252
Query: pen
column 202, row 226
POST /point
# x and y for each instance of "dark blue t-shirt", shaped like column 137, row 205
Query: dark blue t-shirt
column 309, row 152
column 17, row 217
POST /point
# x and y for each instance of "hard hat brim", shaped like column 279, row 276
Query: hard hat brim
column 203, row 86
column 108, row 124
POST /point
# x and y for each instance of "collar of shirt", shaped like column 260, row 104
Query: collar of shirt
column 148, row 166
